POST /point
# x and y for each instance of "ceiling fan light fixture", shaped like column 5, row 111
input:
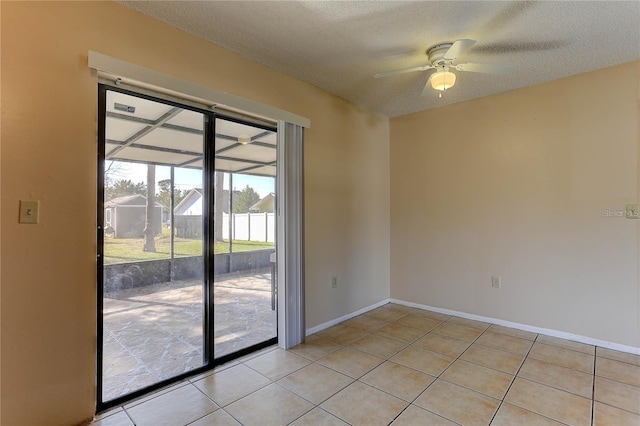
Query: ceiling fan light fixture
column 244, row 139
column 443, row 80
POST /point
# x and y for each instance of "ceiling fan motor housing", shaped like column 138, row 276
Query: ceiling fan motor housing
column 437, row 52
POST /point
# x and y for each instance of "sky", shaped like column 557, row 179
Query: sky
column 185, row 178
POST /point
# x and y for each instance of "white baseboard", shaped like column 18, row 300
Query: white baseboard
column 539, row 330
column 331, row 323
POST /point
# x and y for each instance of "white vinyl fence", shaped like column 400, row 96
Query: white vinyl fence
column 250, row 227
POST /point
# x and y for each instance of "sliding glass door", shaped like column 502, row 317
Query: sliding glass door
column 186, row 241
column 245, row 225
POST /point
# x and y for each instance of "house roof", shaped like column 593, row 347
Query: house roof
column 263, row 202
column 121, row 200
column 189, row 199
column 129, row 200
column 339, row 45
column 196, row 193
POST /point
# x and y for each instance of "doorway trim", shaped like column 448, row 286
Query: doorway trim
column 120, row 71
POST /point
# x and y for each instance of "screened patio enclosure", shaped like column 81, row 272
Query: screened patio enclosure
column 200, row 287
column 155, row 133
column 141, row 131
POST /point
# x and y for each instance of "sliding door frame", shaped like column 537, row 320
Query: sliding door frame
column 274, row 340
column 209, row 360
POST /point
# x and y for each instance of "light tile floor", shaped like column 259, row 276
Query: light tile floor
column 404, row 366
column 154, row 332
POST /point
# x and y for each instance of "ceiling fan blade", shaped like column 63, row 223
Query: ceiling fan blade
column 427, row 87
column 486, row 68
column 412, row 69
column 458, row 47
column 509, row 14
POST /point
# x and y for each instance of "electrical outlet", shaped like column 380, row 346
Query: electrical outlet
column 633, row 211
column 495, row 282
column 334, row 281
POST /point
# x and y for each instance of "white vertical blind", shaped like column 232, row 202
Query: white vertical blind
column 290, row 220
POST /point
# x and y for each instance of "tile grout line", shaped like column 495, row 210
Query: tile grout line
column 355, row 380
column 128, row 416
column 593, row 386
column 612, row 379
column 553, row 343
column 565, row 348
column 560, row 365
column 552, row 386
column 615, row 359
column 533, row 381
column 250, row 393
column 459, row 358
column 442, row 372
column 388, row 359
column 524, row 359
column 461, row 353
column 115, row 411
column 514, row 375
column 230, row 415
column 618, row 408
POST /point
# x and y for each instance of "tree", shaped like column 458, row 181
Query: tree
column 219, row 208
column 247, row 198
column 112, row 169
column 164, row 194
column 122, row 188
column 149, row 232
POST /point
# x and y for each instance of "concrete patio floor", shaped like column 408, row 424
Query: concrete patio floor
column 154, row 332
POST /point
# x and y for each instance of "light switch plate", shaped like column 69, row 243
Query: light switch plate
column 29, row 211
column 633, row 211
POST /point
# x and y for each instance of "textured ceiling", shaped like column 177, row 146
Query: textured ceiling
column 339, row 45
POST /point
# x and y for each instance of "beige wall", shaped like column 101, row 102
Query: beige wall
column 48, row 126
column 514, row 185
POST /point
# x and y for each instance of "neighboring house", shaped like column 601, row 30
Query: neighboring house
column 265, row 205
column 188, row 213
column 125, row 217
column 191, row 204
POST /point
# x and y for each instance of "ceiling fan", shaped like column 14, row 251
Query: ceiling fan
column 441, row 58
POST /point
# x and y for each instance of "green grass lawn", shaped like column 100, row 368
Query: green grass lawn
column 122, row 250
